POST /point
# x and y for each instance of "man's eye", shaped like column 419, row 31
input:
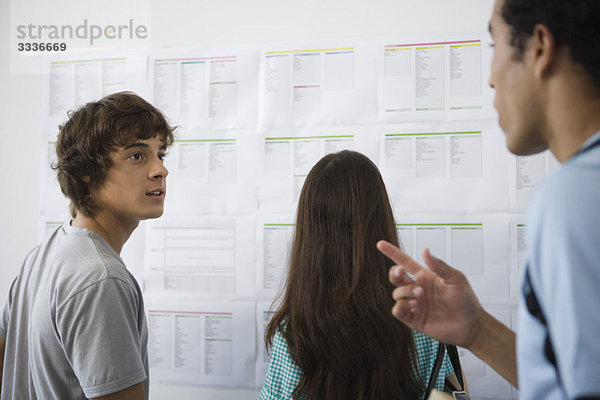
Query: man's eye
column 136, row 156
column 161, row 156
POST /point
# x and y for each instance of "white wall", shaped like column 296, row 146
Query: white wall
column 186, row 23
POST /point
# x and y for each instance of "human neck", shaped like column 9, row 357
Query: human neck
column 110, row 228
column 573, row 116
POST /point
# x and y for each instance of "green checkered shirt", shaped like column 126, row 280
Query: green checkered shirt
column 284, row 375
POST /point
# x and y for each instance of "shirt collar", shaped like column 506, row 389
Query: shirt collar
column 591, row 142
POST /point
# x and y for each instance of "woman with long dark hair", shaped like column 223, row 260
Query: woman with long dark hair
column 333, row 336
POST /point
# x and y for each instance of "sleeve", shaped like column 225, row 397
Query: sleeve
column 283, row 374
column 5, row 312
column 567, row 276
column 100, row 334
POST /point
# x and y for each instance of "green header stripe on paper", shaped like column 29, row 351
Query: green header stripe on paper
column 310, row 137
column 279, row 225
column 449, row 224
column 433, row 133
column 204, row 140
column 466, row 108
column 95, row 60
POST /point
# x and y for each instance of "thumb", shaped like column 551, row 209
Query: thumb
column 438, row 266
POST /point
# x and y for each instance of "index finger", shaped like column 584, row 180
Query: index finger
column 399, row 257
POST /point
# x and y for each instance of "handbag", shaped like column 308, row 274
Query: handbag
column 456, row 393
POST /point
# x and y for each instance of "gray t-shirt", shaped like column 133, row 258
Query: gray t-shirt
column 74, row 322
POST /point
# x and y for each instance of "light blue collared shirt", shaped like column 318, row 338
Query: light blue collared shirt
column 563, row 236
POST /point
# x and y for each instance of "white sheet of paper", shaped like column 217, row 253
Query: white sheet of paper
column 274, row 238
column 213, row 172
column 316, row 83
column 525, row 174
column 76, row 77
column 201, row 343
column 288, row 154
column 444, row 166
column 481, row 378
column 518, row 253
column 472, row 243
column 204, row 256
column 429, row 77
column 264, row 313
column 206, row 87
column 52, row 199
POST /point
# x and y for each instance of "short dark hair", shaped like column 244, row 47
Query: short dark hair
column 574, row 24
column 92, row 132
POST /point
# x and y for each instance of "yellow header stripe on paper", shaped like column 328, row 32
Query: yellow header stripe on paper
column 400, row 48
column 308, row 51
column 466, row 45
column 430, row 47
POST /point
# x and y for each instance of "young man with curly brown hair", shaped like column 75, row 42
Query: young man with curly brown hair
column 74, row 325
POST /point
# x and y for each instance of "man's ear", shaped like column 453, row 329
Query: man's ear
column 543, row 44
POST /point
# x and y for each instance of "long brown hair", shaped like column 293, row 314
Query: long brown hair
column 335, row 311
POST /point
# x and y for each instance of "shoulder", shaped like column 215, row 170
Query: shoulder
column 427, row 349
column 281, row 357
column 425, row 345
column 564, row 212
column 80, row 260
column 283, row 374
column 566, row 202
column 574, row 183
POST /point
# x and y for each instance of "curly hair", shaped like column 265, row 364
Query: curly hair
column 92, row 132
column 574, row 24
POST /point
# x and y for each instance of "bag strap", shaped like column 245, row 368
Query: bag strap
column 435, row 370
column 533, row 307
column 455, row 360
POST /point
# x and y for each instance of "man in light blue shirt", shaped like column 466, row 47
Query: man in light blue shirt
column 546, row 73
column 563, row 270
